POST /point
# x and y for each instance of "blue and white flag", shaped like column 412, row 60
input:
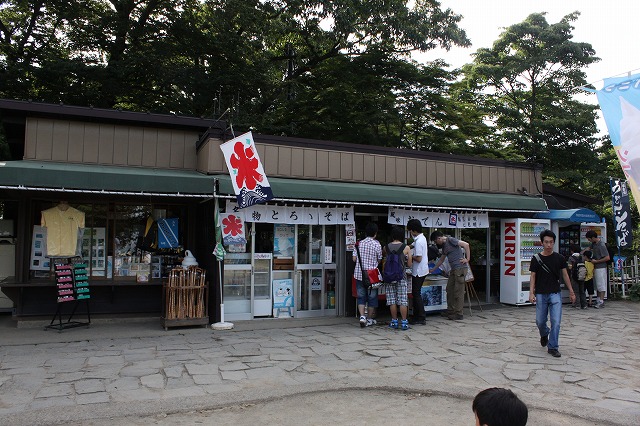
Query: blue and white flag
column 619, row 101
column 168, row 233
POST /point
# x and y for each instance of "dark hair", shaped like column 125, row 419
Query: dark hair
column 397, row 233
column 591, row 234
column 547, row 233
column 435, row 234
column 575, row 248
column 588, row 254
column 371, row 229
column 500, row 407
column 414, row 225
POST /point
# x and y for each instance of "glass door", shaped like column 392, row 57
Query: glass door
column 315, row 270
column 236, row 287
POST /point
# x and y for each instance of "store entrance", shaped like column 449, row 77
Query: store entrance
column 316, row 270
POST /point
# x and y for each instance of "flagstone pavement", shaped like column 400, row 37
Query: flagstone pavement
column 135, row 368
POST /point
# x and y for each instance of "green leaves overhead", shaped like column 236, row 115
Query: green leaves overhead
column 528, row 81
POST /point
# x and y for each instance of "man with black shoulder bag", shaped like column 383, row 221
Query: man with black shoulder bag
column 547, row 269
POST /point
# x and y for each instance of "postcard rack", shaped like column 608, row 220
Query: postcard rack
column 72, row 286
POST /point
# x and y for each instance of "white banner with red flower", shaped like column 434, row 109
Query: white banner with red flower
column 250, row 183
column 232, row 229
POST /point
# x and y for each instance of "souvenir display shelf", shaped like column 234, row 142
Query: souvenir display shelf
column 72, row 287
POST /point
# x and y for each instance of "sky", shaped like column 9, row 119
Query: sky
column 609, row 26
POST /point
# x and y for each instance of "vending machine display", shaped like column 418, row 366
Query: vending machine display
column 568, row 236
column 520, row 241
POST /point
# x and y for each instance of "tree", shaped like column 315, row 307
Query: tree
column 250, row 58
column 526, row 85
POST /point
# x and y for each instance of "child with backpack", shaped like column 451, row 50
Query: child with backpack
column 578, row 274
column 588, row 282
column 398, row 257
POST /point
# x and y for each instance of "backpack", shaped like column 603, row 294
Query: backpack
column 611, row 254
column 578, row 270
column 394, row 266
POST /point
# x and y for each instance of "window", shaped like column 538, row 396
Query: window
column 120, row 241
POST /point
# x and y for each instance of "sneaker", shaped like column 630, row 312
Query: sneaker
column 554, row 353
column 583, row 307
column 393, row 323
column 544, row 340
column 363, row 321
column 456, row 317
column 596, row 306
column 371, row 322
column 404, row 325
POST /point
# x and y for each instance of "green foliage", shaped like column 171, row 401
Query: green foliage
column 525, row 87
column 5, row 152
column 634, row 292
column 338, row 70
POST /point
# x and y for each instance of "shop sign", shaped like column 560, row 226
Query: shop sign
column 293, row 215
column 509, row 248
column 399, row 216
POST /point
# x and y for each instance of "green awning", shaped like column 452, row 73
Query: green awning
column 360, row 193
column 42, row 175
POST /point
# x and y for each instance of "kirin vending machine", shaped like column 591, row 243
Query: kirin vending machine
column 519, row 242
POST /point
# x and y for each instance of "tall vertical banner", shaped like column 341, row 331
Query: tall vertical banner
column 619, row 101
column 250, row 183
column 621, row 212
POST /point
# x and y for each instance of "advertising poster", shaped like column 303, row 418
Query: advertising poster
column 284, row 239
column 282, row 297
column 434, row 296
column 39, row 258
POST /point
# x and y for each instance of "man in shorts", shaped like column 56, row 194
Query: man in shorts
column 396, row 292
column 371, row 252
column 599, row 258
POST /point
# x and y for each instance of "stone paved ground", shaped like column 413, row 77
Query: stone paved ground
column 116, row 370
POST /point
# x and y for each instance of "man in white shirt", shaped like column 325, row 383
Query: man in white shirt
column 419, row 270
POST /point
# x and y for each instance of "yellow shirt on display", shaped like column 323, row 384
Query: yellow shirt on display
column 62, row 230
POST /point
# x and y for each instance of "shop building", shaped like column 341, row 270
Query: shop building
column 127, row 170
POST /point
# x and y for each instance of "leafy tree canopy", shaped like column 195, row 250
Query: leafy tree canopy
column 525, row 86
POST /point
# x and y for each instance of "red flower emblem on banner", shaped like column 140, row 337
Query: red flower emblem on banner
column 232, row 225
column 247, row 165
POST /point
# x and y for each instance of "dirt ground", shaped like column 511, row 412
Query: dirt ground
column 356, row 408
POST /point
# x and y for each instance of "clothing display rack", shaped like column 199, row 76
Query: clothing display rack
column 72, row 287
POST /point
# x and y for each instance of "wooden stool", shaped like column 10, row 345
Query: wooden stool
column 472, row 291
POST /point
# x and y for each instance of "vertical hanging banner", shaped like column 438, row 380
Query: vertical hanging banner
column 619, row 101
column 621, row 212
column 232, row 229
column 168, row 233
column 250, row 183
